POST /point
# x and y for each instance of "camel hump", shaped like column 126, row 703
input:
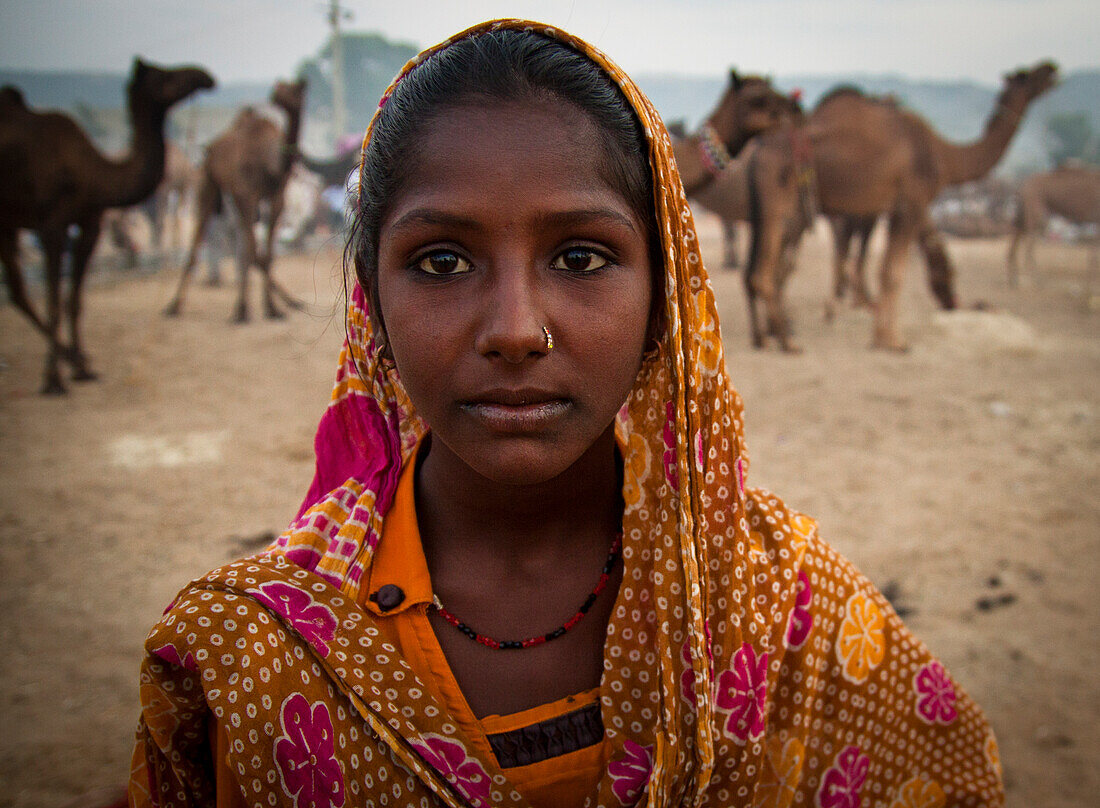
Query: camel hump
column 841, row 91
column 11, row 98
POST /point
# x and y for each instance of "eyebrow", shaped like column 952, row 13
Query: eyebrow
column 564, row 218
column 588, row 216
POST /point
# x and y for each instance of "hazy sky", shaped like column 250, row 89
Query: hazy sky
column 261, row 39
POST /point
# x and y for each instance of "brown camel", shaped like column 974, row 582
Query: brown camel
column 728, row 197
column 749, row 106
column 1071, row 191
column 250, row 163
column 871, row 158
column 52, row 178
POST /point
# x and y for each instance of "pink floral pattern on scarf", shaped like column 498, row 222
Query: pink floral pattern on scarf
column 742, row 690
column 305, row 755
column 935, row 694
column 842, row 781
column 802, row 618
column 169, row 653
column 449, row 758
column 630, row 774
column 314, row 621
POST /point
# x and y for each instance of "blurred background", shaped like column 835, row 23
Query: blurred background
column 960, row 475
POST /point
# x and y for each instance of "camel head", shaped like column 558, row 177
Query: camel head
column 289, row 96
column 749, row 107
column 165, row 86
column 1024, row 86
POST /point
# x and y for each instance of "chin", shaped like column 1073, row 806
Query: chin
column 522, row 469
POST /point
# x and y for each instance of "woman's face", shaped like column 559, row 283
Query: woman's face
column 505, row 226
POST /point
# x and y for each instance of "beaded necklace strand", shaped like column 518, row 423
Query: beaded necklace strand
column 511, row 645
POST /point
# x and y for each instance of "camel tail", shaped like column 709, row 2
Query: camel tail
column 941, row 274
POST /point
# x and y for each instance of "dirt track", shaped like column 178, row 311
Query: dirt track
column 963, row 476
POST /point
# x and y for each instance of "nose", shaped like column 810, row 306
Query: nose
column 513, row 327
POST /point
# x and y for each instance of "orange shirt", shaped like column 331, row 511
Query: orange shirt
column 564, row 780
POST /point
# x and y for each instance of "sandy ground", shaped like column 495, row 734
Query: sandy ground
column 961, row 476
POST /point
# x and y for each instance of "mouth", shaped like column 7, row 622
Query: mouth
column 516, row 410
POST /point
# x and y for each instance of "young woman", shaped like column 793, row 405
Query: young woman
column 529, row 570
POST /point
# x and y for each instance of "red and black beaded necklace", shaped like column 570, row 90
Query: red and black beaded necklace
column 511, row 645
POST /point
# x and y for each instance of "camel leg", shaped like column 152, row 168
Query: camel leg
column 246, row 254
column 271, row 286
column 208, row 202
column 902, row 230
column 13, row 276
column 729, row 244
column 1014, row 259
column 780, row 327
column 1029, row 257
column 53, row 241
column 842, row 241
column 784, row 269
column 861, row 296
column 760, row 281
column 941, row 272
column 81, row 254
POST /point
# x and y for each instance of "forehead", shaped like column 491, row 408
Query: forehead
column 542, row 148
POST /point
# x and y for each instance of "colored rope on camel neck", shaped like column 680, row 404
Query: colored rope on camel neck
column 560, row 631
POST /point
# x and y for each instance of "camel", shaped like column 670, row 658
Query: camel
column 250, row 163
column 748, row 107
column 728, row 197
column 871, row 158
column 1071, row 191
column 52, row 178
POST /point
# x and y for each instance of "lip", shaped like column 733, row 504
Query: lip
column 519, row 410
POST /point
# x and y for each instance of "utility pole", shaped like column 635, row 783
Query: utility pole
column 336, row 13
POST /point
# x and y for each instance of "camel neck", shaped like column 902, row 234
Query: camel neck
column 694, row 173
column 129, row 180
column 972, row 161
column 290, row 139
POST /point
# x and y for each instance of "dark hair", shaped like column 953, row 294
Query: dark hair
column 495, row 66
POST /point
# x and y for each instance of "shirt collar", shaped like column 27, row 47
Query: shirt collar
column 399, row 560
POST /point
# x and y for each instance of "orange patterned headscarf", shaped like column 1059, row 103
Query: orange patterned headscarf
column 745, row 661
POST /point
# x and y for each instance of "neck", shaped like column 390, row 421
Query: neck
column 694, row 173
column 972, row 161
column 290, row 139
column 460, row 510
column 137, row 175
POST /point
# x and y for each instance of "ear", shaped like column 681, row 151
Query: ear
column 735, row 79
column 140, row 66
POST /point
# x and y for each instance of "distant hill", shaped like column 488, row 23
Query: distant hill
column 957, row 110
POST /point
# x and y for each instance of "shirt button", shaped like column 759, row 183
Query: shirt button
column 388, row 597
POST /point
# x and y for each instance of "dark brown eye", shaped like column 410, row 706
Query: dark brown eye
column 579, row 259
column 443, row 263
